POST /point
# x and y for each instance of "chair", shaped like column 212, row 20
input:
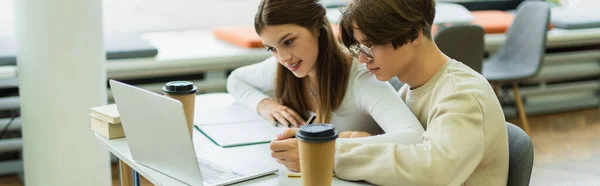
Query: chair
column 522, row 54
column 520, row 152
column 464, row 43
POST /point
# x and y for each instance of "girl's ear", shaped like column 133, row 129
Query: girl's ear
column 318, row 32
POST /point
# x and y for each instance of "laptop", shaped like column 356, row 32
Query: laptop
column 158, row 137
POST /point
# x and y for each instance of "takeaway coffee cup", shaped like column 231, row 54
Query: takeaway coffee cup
column 316, row 145
column 185, row 92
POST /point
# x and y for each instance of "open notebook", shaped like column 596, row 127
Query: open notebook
column 228, row 124
column 240, row 133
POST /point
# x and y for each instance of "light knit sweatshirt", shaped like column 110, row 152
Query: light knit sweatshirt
column 465, row 142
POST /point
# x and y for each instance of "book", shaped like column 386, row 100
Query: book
column 108, row 113
column 110, row 131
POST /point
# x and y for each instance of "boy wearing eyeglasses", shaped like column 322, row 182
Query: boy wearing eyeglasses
column 465, row 142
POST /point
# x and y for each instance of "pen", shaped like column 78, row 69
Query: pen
column 311, row 119
column 308, row 122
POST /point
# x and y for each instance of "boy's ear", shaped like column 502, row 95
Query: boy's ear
column 417, row 40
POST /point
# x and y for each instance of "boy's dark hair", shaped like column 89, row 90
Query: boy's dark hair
column 384, row 21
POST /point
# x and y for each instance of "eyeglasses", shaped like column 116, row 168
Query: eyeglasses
column 360, row 48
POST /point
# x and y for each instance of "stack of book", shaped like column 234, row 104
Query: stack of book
column 106, row 121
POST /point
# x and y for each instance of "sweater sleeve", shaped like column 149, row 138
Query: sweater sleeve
column 250, row 84
column 452, row 147
column 379, row 99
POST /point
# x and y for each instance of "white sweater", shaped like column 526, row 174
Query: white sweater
column 369, row 105
column 465, row 142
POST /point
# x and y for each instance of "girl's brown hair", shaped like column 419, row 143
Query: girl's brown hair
column 333, row 70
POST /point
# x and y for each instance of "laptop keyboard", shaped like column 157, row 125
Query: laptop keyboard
column 212, row 173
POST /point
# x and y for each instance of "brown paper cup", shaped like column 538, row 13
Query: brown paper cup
column 184, row 92
column 316, row 162
column 188, row 102
column 316, row 145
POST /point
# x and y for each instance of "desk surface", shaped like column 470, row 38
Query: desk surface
column 452, row 13
column 556, row 38
column 203, row 146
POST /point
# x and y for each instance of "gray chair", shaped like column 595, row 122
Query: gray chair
column 522, row 54
column 464, row 43
column 520, row 162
